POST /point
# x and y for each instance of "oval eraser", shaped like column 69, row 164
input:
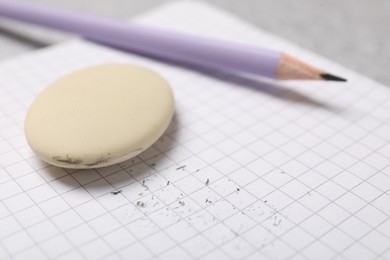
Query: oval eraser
column 99, row 116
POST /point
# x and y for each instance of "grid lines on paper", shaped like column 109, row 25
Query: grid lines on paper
column 176, row 164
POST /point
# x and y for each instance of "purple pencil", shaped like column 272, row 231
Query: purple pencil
column 167, row 44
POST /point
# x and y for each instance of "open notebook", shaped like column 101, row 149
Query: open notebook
column 248, row 169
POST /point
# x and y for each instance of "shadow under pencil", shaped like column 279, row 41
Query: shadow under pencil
column 22, row 37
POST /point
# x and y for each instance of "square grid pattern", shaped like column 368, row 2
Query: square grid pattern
column 246, row 170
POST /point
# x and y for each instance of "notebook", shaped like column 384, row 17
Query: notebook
column 248, row 169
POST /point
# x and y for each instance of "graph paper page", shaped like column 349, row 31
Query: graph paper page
column 248, row 169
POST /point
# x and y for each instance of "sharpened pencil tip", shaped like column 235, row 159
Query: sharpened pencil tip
column 331, row 77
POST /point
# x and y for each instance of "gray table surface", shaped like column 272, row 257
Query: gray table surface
column 354, row 33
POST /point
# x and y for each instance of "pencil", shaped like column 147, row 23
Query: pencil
column 169, row 45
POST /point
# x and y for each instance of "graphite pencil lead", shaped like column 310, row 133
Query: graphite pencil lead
column 331, row 77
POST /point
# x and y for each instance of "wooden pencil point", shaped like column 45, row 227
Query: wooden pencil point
column 290, row 68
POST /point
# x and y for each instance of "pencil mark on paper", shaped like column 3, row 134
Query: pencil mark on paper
column 276, row 221
column 144, row 185
column 116, row 192
column 181, row 168
column 140, row 204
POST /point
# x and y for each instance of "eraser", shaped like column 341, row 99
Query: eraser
column 99, row 116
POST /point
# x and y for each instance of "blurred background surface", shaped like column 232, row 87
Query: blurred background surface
column 354, row 33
